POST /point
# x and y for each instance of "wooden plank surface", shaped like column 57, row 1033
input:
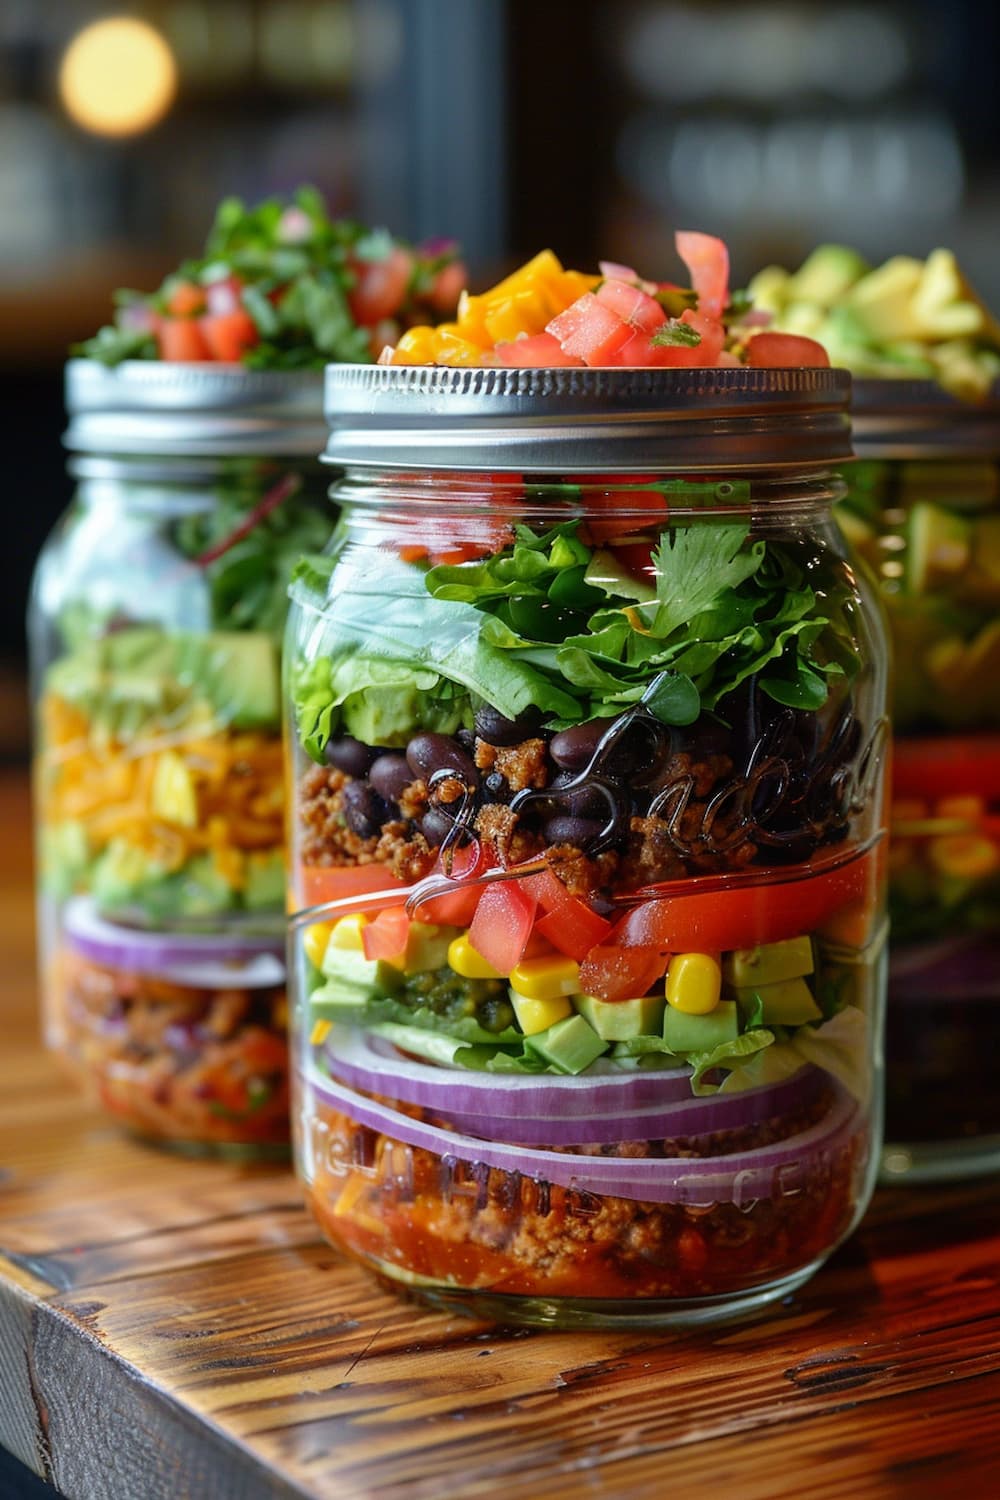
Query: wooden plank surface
column 177, row 1329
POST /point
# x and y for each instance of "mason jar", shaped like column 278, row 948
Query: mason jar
column 923, row 507
column 587, row 721
column 154, row 630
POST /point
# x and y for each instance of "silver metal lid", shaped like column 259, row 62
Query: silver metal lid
column 917, row 419
column 161, row 408
column 560, row 420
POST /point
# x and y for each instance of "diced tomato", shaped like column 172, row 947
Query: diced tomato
column 616, row 973
column 447, row 286
column 320, row 883
column 181, row 339
column 637, row 557
column 589, row 330
column 574, row 928
column 381, row 286
column 186, row 299
column 502, row 925
column 456, row 909
column 387, row 936
column 229, row 335
column 709, row 922
column 767, row 351
column 632, row 305
column 650, row 504
column 535, row 351
column 547, row 889
column 707, row 260
column 223, row 296
column 947, row 766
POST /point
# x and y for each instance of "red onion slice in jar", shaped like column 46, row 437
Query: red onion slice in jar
column 576, row 1111
column 959, row 968
column 765, row 1172
column 200, row 960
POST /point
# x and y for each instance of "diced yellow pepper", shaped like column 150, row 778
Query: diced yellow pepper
column 319, row 1033
column 543, row 266
column 694, row 983
column 571, row 285
column 472, row 319
column 526, row 312
column 172, row 795
column 538, row 1015
column 347, row 932
column 545, row 978
column 464, row 959
column 417, row 346
column 315, row 941
column 966, row 856
column 453, row 350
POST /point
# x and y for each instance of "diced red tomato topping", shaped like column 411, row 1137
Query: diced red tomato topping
column 947, row 766
column 181, row 339
column 229, row 335
column 381, row 286
column 616, row 973
column 780, row 350
column 707, row 260
column 447, row 287
column 386, row 936
column 502, row 925
column 535, row 351
column 332, row 883
column 632, row 305
column 186, row 300
column 574, row 928
column 590, row 330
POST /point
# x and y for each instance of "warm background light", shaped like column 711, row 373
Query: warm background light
column 117, row 77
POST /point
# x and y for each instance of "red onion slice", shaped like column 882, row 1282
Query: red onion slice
column 780, row 1169
column 195, row 959
column 959, row 968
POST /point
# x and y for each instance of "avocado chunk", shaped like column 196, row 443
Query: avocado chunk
column 748, row 968
column 769, row 289
column 265, row 881
column 237, row 670
column 789, row 1002
column 427, row 947
column 337, row 1000
column 569, row 1046
column 687, row 1033
column 826, row 274
column 616, row 1021
column 938, row 547
column 351, row 982
column 882, row 301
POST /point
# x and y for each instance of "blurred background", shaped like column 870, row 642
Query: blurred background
column 592, row 126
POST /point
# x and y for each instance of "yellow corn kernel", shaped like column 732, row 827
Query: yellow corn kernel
column 538, row 1015
column 966, row 809
column 319, row 1033
column 966, row 856
column 315, row 941
column 417, row 346
column 464, row 959
column 694, row 983
column 546, row 978
column 347, row 932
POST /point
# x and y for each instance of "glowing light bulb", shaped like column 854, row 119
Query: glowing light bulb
column 117, row 77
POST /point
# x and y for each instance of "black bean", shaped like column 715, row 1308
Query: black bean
column 495, row 729
column 349, row 755
column 577, row 831
column 427, row 753
column 466, row 738
column 574, row 748
column 390, row 775
column 435, row 825
column 581, row 802
column 364, row 810
column 497, row 787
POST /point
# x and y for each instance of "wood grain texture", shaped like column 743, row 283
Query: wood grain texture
column 176, row 1330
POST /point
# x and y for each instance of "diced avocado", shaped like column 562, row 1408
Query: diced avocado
column 569, row 1046
column 686, row 1033
column 618, row 1020
column 826, row 274
column 747, row 968
column 349, row 966
column 946, row 305
column 789, row 1002
column 964, row 369
column 769, row 288
column 237, row 670
column 427, row 947
column 125, row 878
column 938, row 547
column 337, row 1000
column 64, row 856
column 882, row 301
column 805, row 318
column 265, row 881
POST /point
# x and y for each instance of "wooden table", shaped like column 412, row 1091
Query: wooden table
column 176, row 1330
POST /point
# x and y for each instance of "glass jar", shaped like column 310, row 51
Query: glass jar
column 587, row 720
column 923, row 507
column 154, row 629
